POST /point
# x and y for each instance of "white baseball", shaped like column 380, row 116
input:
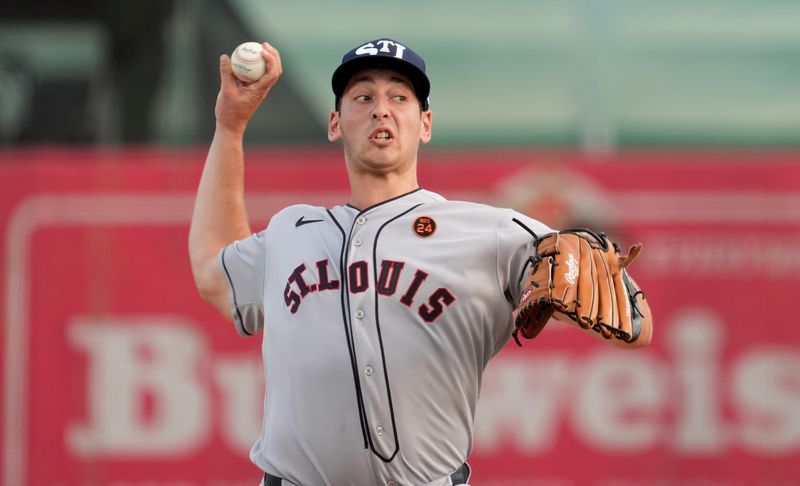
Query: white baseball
column 247, row 63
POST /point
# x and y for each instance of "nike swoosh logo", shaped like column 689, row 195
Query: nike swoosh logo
column 300, row 222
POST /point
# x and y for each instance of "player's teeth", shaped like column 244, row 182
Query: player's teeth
column 382, row 135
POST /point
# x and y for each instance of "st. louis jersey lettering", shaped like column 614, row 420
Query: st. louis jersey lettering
column 390, row 274
column 434, row 308
column 298, row 286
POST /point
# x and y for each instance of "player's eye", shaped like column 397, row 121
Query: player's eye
column 400, row 98
column 363, row 98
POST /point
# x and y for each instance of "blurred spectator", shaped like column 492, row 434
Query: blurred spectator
column 46, row 104
column 137, row 40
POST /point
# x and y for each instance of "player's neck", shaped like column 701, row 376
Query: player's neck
column 369, row 189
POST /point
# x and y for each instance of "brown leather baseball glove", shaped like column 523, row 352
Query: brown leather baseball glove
column 581, row 275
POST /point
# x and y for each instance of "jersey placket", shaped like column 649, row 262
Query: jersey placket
column 367, row 340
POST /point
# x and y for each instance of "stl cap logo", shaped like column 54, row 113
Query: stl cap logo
column 424, row 226
column 370, row 49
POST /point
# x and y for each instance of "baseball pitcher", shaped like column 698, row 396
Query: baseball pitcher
column 378, row 316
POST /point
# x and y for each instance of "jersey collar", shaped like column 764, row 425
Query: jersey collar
column 417, row 196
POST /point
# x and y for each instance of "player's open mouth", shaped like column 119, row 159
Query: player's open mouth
column 382, row 135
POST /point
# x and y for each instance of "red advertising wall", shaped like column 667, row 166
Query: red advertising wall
column 116, row 373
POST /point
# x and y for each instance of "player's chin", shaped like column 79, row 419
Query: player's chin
column 381, row 162
column 381, row 153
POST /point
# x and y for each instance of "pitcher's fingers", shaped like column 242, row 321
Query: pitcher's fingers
column 273, row 59
column 226, row 75
column 271, row 51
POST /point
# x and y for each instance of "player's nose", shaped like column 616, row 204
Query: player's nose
column 380, row 109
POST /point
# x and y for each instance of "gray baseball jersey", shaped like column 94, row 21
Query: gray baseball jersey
column 377, row 326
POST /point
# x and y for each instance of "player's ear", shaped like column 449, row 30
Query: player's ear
column 426, row 120
column 333, row 127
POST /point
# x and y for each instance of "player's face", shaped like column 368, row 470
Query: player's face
column 380, row 122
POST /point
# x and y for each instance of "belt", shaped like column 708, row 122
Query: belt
column 461, row 476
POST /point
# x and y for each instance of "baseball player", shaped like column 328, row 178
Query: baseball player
column 378, row 316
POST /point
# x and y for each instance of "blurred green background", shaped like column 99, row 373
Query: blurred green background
column 594, row 74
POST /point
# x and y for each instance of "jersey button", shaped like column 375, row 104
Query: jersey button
column 359, row 314
column 368, row 371
column 361, row 220
column 391, row 483
column 379, row 431
column 357, row 242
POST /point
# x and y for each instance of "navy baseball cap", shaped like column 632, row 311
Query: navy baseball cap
column 383, row 53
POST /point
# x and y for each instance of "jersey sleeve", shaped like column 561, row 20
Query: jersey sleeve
column 515, row 244
column 243, row 265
